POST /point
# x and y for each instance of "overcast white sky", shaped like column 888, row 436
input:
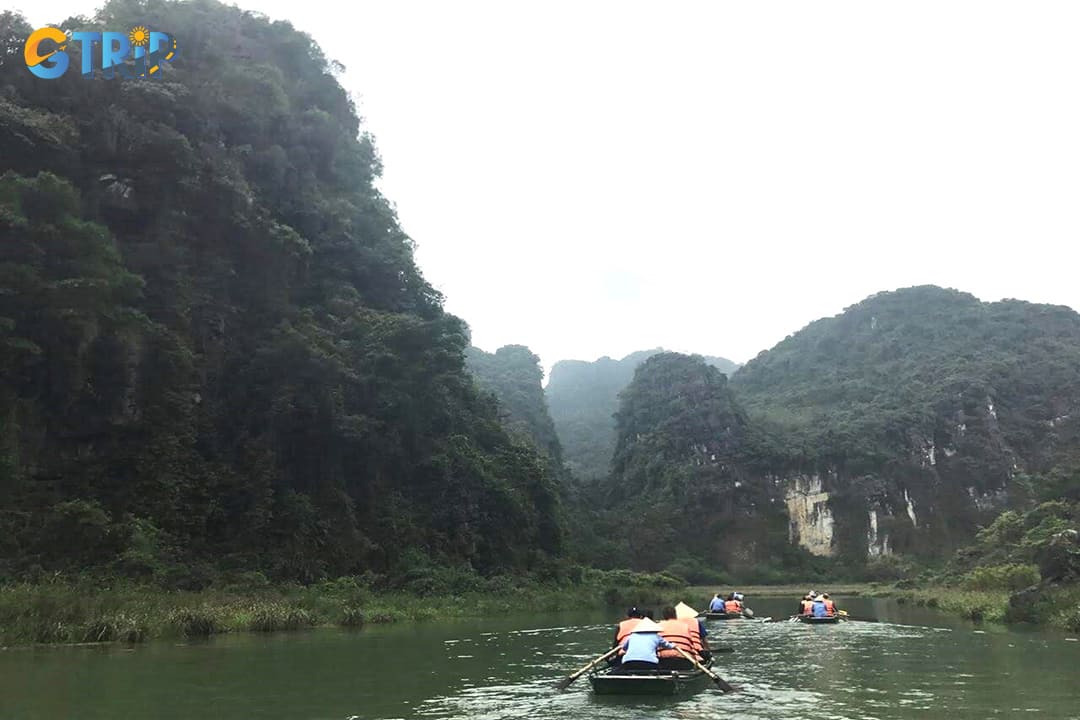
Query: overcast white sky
column 591, row 178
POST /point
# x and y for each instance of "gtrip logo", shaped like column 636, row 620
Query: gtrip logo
column 46, row 52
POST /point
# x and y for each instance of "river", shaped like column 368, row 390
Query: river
column 912, row 663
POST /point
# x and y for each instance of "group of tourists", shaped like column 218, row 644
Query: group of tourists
column 816, row 604
column 733, row 603
column 645, row 644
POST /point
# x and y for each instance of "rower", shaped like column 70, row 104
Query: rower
column 640, row 646
column 742, row 604
column 696, row 626
column 716, row 605
column 732, row 605
column 830, row 606
column 677, row 632
column 818, row 608
column 806, row 605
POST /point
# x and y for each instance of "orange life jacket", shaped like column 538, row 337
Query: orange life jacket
column 830, row 607
column 695, row 634
column 732, row 606
column 625, row 628
column 678, row 634
column 807, row 607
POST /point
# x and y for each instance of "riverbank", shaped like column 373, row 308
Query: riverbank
column 705, row 592
column 1055, row 606
column 89, row 611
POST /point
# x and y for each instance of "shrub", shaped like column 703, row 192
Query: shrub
column 1013, row 576
column 695, row 572
column 272, row 617
column 352, row 617
column 1072, row 620
column 192, row 622
column 887, row 568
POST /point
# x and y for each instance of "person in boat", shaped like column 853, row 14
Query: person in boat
column 696, row 626
column 633, row 617
column 741, row 599
column 731, row 605
column 641, row 646
column 716, row 605
column 678, row 633
column 830, row 606
column 818, row 608
column 806, row 605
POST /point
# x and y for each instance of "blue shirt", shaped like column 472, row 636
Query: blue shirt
column 717, row 605
column 819, row 609
column 642, row 646
column 701, row 628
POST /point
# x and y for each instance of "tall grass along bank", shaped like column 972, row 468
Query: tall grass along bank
column 70, row 610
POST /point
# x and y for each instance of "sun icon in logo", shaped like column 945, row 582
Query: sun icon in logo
column 139, row 36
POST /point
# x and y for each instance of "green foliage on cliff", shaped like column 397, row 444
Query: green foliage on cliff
column 512, row 374
column 685, row 491
column 897, row 362
column 924, row 402
column 1045, row 538
column 584, row 397
column 217, row 351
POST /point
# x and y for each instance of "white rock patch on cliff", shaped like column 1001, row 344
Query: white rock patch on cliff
column 811, row 520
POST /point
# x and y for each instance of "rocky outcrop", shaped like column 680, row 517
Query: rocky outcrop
column 811, row 518
column 918, row 410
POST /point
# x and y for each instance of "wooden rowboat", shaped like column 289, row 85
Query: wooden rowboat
column 827, row 620
column 724, row 616
column 616, row 681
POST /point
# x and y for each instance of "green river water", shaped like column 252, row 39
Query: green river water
column 913, row 663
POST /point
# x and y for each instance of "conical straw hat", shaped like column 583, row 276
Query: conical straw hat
column 685, row 612
column 646, row 625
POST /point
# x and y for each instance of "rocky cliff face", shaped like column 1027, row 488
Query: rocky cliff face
column 915, row 417
column 811, row 519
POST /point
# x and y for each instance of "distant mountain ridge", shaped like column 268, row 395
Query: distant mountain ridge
column 583, row 397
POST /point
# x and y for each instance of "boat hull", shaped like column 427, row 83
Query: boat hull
column 831, row 620
column 724, row 616
column 654, row 683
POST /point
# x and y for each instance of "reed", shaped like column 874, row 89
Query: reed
column 82, row 610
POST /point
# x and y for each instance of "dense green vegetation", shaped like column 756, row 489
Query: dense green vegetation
column 686, row 492
column 924, row 402
column 82, row 610
column 513, row 376
column 218, row 355
column 1030, row 559
column 220, row 364
column 584, row 396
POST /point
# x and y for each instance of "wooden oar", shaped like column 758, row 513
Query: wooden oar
column 565, row 682
column 720, row 682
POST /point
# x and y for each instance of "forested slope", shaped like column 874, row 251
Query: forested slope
column 217, row 351
column 687, row 490
column 512, row 374
column 583, row 397
column 921, row 414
